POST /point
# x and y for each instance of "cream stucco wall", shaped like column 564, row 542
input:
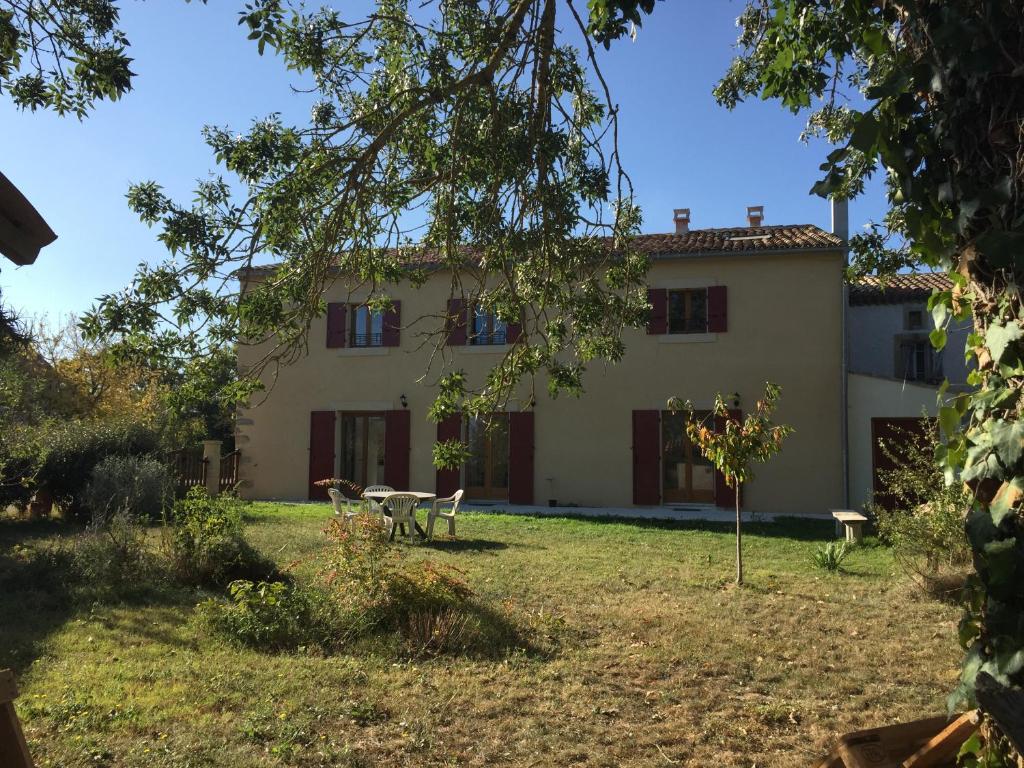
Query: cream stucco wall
column 783, row 325
column 875, row 397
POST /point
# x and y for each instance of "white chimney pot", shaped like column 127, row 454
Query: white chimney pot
column 681, row 217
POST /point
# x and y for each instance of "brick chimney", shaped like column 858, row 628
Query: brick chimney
column 755, row 215
column 681, row 216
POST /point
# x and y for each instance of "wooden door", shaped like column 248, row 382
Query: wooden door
column 487, row 470
column 687, row 477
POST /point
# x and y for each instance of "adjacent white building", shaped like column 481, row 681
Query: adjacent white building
column 893, row 372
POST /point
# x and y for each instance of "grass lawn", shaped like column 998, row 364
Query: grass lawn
column 657, row 660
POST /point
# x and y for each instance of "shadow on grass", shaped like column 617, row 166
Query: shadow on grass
column 465, row 545
column 795, row 528
column 46, row 582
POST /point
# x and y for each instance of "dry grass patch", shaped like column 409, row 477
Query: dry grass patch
column 652, row 659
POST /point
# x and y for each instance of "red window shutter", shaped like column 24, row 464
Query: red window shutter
column 513, row 331
column 396, row 449
column 725, row 496
column 646, row 457
column 717, row 309
column 520, row 457
column 321, row 452
column 337, row 315
column 456, row 323
column 448, row 479
column 391, row 333
column 657, row 321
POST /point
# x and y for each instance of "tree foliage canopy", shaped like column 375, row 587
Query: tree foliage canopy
column 462, row 135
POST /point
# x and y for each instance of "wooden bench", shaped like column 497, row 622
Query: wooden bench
column 852, row 522
column 13, row 749
column 930, row 743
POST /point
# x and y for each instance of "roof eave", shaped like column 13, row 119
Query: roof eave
column 23, row 232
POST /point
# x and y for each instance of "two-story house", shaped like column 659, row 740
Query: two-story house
column 732, row 308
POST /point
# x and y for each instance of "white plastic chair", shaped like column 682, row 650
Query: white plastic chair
column 436, row 512
column 402, row 507
column 342, row 505
column 374, row 504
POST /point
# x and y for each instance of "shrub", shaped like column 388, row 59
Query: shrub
column 112, row 560
column 206, row 543
column 139, row 485
column 365, row 593
column 60, row 456
column 271, row 616
column 925, row 526
column 830, row 557
column 425, row 605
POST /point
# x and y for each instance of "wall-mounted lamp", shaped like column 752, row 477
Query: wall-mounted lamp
column 404, row 401
column 735, row 399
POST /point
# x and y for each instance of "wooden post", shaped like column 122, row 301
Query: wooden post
column 211, row 455
column 13, row 749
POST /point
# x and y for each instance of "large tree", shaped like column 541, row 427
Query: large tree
column 63, row 55
column 462, row 135
column 931, row 93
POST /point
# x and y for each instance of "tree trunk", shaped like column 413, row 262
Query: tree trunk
column 739, row 541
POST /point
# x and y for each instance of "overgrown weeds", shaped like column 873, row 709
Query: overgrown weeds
column 923, row 517
column 364, row 592
column 205, row 546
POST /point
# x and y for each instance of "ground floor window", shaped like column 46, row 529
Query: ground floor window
column 487, row 469
column 361, row 455
column 686, row 475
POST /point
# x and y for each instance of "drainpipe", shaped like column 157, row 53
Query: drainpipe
column 841, row 229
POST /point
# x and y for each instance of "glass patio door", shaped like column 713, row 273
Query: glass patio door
column 361, row 458
column 686, row 475
column 487, row 468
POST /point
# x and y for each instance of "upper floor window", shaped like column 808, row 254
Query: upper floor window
column 367, row 327
column 688, row 311
column 915, row 319
column 356, row 325
column 917, row 360
column 487, row 328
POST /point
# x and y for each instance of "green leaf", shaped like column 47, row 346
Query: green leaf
column 938, row 338
column 1007, row 440
column 999, row 337
column 970, row 747
column 865, row 134
column 1002, row 505
column 1001, row 559
column 949, row 420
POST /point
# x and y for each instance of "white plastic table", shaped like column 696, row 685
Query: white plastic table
column 379, row 497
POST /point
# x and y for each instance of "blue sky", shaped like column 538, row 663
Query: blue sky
column 195, row 67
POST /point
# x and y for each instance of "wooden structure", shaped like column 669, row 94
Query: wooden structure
column 13, row 749
column 228, row 477
column 930, row 743
column 188, row 467
column 852, row 522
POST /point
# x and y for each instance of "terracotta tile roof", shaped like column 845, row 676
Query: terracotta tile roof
column 916, row 286
column 787, row 237
column 803, row 237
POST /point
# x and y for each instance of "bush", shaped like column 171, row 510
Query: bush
column 112, row 560
column 271, row 616
column 365, row 593
column 139, row 485
column 925, row 527
column 206, row 543
column 60, row 456
column 830, row 557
